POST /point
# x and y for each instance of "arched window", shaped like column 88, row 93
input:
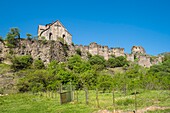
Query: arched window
column 50, row 36
column 64, row 35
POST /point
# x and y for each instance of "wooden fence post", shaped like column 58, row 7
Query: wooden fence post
column 77, row 92
column 60, row 93
column 97, row 99
column 135, row 102
column 86, row 94
column 114, row 106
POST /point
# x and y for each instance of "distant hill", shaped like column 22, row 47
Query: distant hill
column 164, row 53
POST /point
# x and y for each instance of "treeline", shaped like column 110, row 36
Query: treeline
column 81, row 73
column 92, row 73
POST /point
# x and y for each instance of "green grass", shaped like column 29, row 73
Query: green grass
column 29, row 103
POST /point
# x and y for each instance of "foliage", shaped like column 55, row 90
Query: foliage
column 167, row 56
column 4, row 68
column 105, row 82
column 34, row 81
column 78, row 51
column 98, row 62
column 97, row 59
column 1, row 39
column 89, row 55
column 21, row 62
column 38, row 64
column 117, row 62
column 61, row 40
column 161, row 73
column 12, row 37
column 29, row 36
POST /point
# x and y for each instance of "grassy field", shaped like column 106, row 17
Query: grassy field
column 29, row 103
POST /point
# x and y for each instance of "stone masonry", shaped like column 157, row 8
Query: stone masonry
column 54, row 31
column 138, row 54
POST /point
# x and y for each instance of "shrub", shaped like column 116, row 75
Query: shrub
column 21, row 62
column 38, row 64
column 1, row 39
column 78, row 51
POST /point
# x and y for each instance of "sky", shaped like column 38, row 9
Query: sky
column 115, row 23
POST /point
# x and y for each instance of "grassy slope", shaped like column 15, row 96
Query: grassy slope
column 28, row 103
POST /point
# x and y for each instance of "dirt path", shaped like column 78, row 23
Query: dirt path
column 151, row 108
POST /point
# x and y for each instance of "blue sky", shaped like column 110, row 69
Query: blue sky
column 116, row 23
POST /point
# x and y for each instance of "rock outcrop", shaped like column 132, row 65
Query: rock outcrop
column 56, row 50
column 44, row 50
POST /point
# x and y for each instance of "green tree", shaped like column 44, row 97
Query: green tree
column 52, row 67
column 12, row 37
column 112, row 62
column 117, row 62
column 105, row 82
column 29, row 36
column 1, row 39
column 98, row 62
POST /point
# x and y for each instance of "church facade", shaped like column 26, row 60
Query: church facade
column 54, row 31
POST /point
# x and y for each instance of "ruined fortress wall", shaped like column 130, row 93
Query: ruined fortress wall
column 144, row 61
column 130, row 57
column 117, row 52
column 138, row 50
column 104, row 51
column 93, row 49
column 54, row 50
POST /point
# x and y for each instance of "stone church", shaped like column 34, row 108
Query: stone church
column 54, row 31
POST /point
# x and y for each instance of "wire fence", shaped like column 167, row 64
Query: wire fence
column 112, row 100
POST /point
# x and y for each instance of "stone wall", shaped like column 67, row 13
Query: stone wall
column 137, row 55
column 105, row 51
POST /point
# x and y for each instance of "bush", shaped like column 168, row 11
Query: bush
column 21, row 62
column 1, row 39
column 117, row 62
column 38, row 64
column 97, row 59
column 78, row 51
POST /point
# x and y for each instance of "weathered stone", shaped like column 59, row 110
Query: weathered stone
column 54, row 31
column 138, row 49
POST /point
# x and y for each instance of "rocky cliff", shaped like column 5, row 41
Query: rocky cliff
column 44, row 50
column 56, row 50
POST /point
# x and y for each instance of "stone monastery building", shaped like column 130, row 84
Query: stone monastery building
column 54, row 31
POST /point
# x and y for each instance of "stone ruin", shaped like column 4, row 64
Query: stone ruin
column 104, row 51
column 137, row 55
column 53, row 49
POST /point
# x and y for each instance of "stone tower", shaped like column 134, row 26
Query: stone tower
column 54, row 31
column 138, row 50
